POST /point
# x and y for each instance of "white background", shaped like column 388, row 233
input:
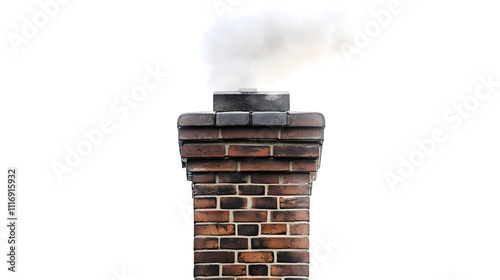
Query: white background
column 124, row 212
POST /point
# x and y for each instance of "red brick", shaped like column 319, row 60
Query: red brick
column 307, row 119
column 204, row 202
column 219, row 229
column 305, row 165
column 264, row 203
column 294, row 202
column 206, row 243
column 206, row 270
column 290, row 270
column 203, row 151
column 309, row 151
column 249, row 133
column 249, row 151
column 255, row 257
column 196, row 119
column 213, row 189
column 198, row 133
column 211, row 216
column 265, row 165
column 250, row 216
column 293, row 257
column 302, row 134
column 265, row 178
column 251, row 190
column 233, row 203
column 210, row 165
column 234, row 243
column 203, row 178
column 290, row 216
column 280, row 243
column 234, row 270
column 302, row 189
column 297, row 178
column 299, row 229
column 273, row 228
column 214, row 257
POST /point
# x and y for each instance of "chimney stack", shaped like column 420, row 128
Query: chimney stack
column 251, row 163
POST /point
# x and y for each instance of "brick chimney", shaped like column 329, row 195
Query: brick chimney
column 251, row 163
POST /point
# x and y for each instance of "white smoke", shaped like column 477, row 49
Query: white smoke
column 257, row 49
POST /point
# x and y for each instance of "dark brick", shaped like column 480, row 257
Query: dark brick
column 214, row 257
column 213, row 189
column 196, row 119
column 293, row 257
column 232, row 177
column 206, row 270
column 233, row 202
column 290, row 270
column 234, row 243
column 258, row 270
column 232, row 118
column 269, row 118
column 309, row 151
column 251, row 190
column 248, row 230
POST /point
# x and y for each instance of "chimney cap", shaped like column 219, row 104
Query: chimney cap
column 249, row 100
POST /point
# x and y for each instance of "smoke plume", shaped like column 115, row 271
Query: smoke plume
column 257, row 49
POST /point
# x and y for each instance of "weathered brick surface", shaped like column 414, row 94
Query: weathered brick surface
column 249, row 151
column 233, row 202
column 306, row 119
column 203, row 151
column 196, row 119
column 274, row 229
column 251, row 177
